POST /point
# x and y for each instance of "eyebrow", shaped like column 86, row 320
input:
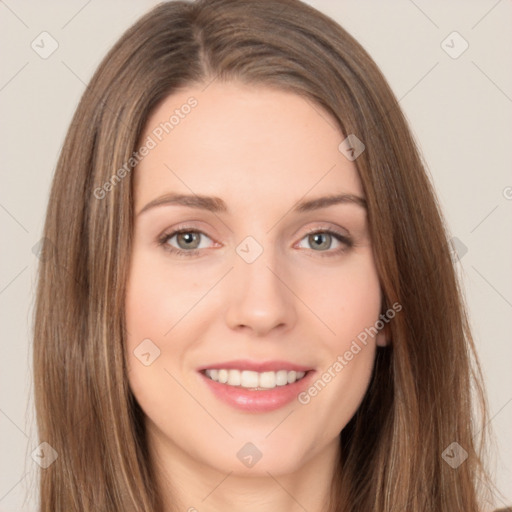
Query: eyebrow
column 217, row 205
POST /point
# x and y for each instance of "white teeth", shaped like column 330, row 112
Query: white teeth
column 250, row 380
column 282, row 378
column 234, row 378
column 267, row 380
column 292, row 376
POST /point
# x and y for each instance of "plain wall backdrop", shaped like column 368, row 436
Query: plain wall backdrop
column 454, row 88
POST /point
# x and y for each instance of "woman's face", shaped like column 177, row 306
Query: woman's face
column 263, row 290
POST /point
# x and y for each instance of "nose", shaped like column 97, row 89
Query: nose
column 260, row 297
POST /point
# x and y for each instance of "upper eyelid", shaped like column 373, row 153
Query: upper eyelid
column 320, row 226
column 186, row 229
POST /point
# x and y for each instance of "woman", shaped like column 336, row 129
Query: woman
column 312, row 350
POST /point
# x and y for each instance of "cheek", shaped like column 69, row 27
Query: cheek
column 153, row 306
column 158, row 295
column 349, row 304
column 162, row 304
column 347, row 300
column 149, row 305
column 359, row 306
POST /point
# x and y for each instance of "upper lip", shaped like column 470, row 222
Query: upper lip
column 256, row 366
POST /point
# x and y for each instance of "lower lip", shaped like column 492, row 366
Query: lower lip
column 258, row 401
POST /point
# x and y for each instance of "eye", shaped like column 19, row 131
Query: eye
column 188, row 241
column 322, row 240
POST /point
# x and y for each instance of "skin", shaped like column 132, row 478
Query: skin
column 261, row 150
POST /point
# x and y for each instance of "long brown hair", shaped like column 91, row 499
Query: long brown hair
column 420, row 399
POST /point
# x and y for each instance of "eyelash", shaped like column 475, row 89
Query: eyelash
column 162, row 241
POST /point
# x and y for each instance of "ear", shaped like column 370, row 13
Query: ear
column 383, row 338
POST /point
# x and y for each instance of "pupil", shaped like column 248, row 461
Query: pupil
column 189, row 237
column 318, row 240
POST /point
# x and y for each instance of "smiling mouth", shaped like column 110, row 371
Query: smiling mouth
column 254, row 381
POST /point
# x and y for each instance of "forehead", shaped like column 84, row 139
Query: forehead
column 245, row 143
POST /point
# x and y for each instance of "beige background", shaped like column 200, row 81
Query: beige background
column 459, row 110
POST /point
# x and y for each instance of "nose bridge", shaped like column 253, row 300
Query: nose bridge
column 258, row 298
